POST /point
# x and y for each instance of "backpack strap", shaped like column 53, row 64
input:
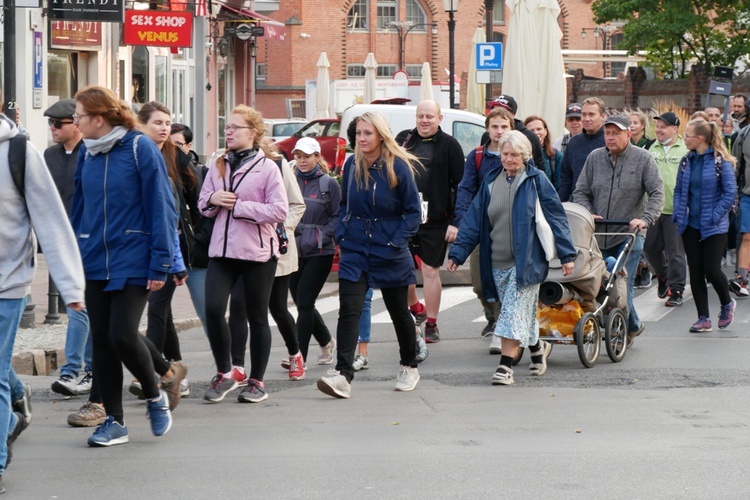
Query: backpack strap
column 17, row 162
column 478, row 153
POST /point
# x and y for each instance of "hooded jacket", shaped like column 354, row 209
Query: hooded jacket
column 124, row 212
column 530, row 261
column 39, row 212
column 318, row 226
column 248, row 231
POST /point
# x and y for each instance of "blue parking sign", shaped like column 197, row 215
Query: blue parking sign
column 489, row 56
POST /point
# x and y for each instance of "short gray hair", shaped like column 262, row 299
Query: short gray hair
column 519, row 142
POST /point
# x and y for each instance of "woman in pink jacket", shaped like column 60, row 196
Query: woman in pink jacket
column 245, row 192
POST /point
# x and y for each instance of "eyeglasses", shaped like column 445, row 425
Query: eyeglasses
column 690, row 136
column 233, row 128
column 77, row 117
column 179, row 144
column 57, row 123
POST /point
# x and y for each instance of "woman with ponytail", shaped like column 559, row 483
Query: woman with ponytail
column 705, row 192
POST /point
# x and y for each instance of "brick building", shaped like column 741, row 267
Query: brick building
column 402, row 34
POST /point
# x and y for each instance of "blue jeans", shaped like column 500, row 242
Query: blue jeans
column 364, row 318
column 10, row 318
column 16, row 387
column 631, row 266
column 77, row 344
column 196, row 284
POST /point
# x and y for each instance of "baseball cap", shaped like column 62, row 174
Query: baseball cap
column 669, row 119
column 307, row 145
column 64, row 108
column 573, row 110
column 621, row 121
column 505, row 101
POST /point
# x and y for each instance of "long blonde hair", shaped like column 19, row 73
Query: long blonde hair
column 253, row 119
column 714, row 137
column 389, row 151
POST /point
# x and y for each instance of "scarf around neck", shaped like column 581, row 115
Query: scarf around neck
column 106, row 143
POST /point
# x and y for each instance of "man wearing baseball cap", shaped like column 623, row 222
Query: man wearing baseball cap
column 507, row 102
column 573, row 124
column 663, row 246
column 621, row 181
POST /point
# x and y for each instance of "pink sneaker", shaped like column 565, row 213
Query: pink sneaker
column 296, row 367
column 238, row 373
column 726, row 316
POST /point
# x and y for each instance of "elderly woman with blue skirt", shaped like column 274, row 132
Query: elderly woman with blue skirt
column 502, row 222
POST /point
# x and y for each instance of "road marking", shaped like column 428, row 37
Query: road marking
column 325, row 305
column 651, row 308
column 452, row 296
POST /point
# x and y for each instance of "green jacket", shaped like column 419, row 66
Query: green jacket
column 668, row 161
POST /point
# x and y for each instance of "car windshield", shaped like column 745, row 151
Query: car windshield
column 286, row 129
column 314, row 129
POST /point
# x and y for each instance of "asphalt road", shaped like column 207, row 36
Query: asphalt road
column 670, row 421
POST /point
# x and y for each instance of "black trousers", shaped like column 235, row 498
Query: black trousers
column 351, row 299
column 306, row 284
column 161, row 330
column 277, row 306
column 114, row 317
column 704, row 263
column 257, row 278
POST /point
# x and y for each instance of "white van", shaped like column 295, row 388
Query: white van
column 465, row 126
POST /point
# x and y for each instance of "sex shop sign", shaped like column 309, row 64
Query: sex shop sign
column 158, row 28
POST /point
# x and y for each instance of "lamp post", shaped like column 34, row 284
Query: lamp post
column 408, row 25
column 450, row 7
column 603, row 32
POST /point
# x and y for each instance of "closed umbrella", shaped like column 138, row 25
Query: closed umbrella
column 371, row 71
column 425, row 85
column 323, row 88
column 533, row 70
column 475, row 100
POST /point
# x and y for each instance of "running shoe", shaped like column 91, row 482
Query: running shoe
column 326, row 353
column 158, row 412
column 23, row 405
column 239, row 374
column 702, row 325
column 675, row 299
column 496, row 344
column 407, row 378
column 136, row 389
column 109, row 433
column 419, row 318
column 219, row 388
column 296, row 367
column 335, row 385
column 360, row 363
column 88, row 415
column 431, row 334
column 726, row 316
column 65, row 385
column 254, row 392
column 489, row 329
column 739, row 287
column 84, row 386
column 184, row 387
column 662, row 288
column 171, row 385
column 14, row 433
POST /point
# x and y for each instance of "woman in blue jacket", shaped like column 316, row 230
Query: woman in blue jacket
column 704, row 193
column 380, row 212
column 512, row 265
column 124, row 218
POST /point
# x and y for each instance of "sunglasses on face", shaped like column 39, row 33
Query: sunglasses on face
column 57, row 123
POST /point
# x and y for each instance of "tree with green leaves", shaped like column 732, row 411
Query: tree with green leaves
column 676, row 33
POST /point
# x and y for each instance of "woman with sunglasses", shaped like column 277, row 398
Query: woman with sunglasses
column 245, row 192
column 124, row 217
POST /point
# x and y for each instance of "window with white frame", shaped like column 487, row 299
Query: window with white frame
column 260, row 74
column 387, row 70
column 414, row 71
column 358, row 15
column 387, row 13
column 415, row 15
column 355, row 71
column 498, row 13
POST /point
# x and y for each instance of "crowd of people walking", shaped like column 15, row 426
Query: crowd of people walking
column 248, row 229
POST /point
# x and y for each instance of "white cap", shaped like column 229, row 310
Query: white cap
column 307, row 145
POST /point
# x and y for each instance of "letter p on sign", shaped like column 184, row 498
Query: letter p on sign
column 489, row 56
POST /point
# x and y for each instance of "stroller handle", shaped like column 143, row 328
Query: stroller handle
column 612, row 222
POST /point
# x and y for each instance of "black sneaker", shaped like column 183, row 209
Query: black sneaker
column 65, row 385
column 431, row 334
column 23, row 405
column 663, row 288
column 645, row 277
column 675, row 299
column 739, row 287
column 487, row 330
column 419, row 318
column 637, row 281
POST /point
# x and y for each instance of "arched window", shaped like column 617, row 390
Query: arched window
column 357, row 19
column 387, row 13
column 415, row 15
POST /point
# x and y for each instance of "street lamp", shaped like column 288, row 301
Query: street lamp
column 450, row 7
column 604, row 33
column 408, row 26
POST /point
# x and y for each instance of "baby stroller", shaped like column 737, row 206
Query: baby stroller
column 575, row 309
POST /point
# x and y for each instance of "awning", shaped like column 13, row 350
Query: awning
column 274, row 29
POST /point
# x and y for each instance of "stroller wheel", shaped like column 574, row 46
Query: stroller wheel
column 588, row 339
column 616, row 335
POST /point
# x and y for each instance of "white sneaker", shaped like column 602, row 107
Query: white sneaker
column 360, row 363
column 496, row 344
column 335, row 385
column 503, row 376
column 326, row 353
column 184, row 387
column 84, row 386
column 407, row 379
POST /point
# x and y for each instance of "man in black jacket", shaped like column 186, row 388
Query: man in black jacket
column 507, row 102
column 441, row 169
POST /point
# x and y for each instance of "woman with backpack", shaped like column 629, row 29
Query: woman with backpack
column 315, row 245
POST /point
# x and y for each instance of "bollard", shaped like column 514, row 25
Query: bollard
column 53, row 295
column 28, row 318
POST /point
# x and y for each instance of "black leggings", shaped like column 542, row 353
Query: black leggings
column 257, row 278
column 309, row 280
column 704, row 262
column 351, row 298
column 114, row 317
column 277, row 306
column 161, row 330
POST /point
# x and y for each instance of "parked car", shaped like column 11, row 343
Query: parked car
column 278, row 129
column 465, row 126
column 323, row 130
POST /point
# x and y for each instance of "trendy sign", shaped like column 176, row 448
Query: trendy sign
column 86, row 10
column 158, row 28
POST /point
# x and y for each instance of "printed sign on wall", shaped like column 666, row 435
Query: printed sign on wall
column 158, row 28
